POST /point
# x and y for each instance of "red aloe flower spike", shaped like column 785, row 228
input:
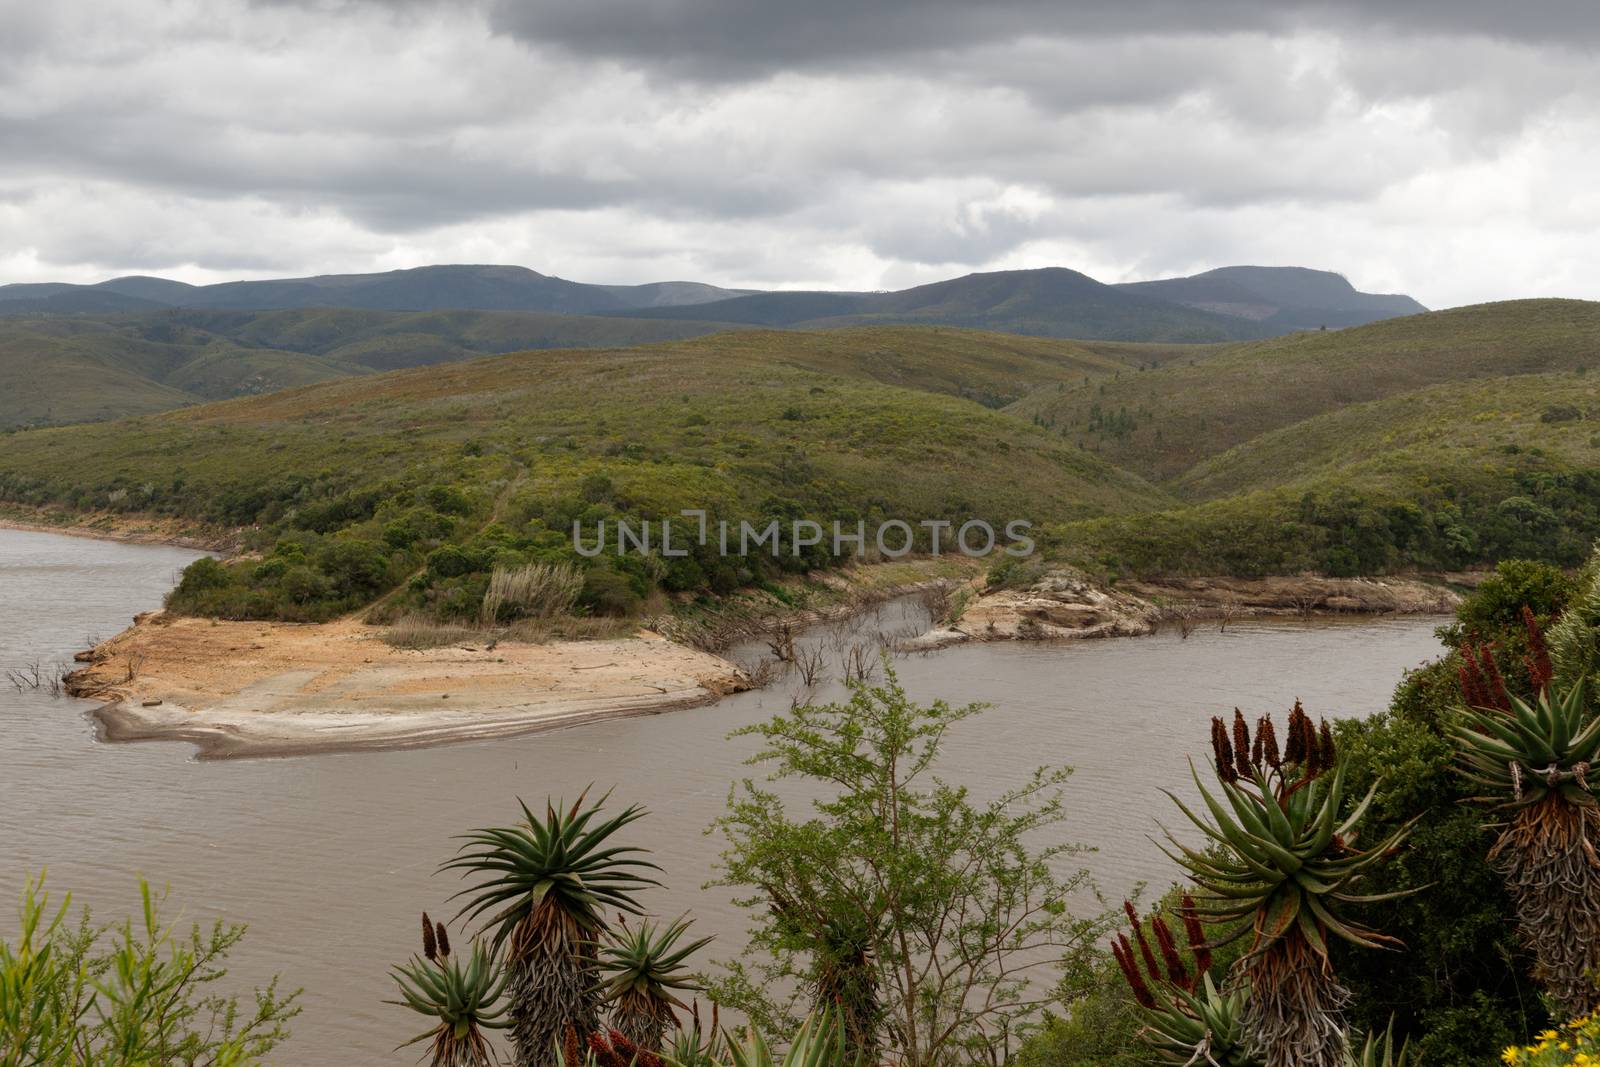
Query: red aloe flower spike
column 569, row 1049
column 1328, row 753
column 1176, row 973
column 1241, row 745
column 604, row 1054
column 1295, row 750
column 625, row 1048
column 1268, row 737
column 1223, row 751
column 1144, row 946
column 1497, row 694
column 1195, row 932
column 1539, row 669
column 1124, row 954
column 429, row 948
column 1471, row 681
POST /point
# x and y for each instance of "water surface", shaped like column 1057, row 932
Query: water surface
column 330, row 858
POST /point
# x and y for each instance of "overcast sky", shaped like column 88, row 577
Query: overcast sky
column 1450, row 152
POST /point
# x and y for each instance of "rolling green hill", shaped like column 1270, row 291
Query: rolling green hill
column 430, row 477
column 1439, row 441
column 55, row 371
column 1406, row 440
column 1162, row 422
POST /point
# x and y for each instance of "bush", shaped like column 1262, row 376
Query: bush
column 202, row 576
column 139, row 994
column 605, row 592
column 355, row 569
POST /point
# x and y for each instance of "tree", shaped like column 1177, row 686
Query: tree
column 139, row 994
column 916, row 911
column 543, row 885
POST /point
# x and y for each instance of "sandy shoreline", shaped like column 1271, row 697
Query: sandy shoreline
column 127, row 532
column 243, row 689
column 257, row 689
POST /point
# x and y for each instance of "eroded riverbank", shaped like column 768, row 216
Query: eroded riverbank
column 274, row 689
column 246, row 689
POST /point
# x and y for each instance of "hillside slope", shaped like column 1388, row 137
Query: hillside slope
column 64, row 369
column 435, row 476
column 1161, row 422
column 55, row 371
column 1456, row 429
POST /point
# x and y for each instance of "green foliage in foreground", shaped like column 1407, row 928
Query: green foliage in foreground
column 1460, row 990
column 920, row 911
column 138, row 994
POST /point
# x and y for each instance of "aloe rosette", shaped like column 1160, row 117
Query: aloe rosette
column 1283, row 868
column 1535, row 758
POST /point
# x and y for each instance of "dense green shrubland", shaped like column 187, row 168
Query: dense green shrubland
column 1537, row 510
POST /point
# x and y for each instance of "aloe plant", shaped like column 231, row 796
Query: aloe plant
column 1186, row 1019
column 542, row 887
column 1535, row 759
column 696, row 1045
column 1375, row 1053
column 820, row 1042
column 464, row 999
column 1284, row 871
column 643, row 967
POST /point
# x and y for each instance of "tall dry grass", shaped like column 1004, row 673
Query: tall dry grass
column 531, row 591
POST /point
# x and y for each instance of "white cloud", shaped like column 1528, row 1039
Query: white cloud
column 209, row 140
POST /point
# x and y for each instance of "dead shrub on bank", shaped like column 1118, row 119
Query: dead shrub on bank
column 417, row 632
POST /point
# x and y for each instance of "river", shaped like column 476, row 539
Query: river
column 330, row 858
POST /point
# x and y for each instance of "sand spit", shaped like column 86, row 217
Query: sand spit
column 239, row 689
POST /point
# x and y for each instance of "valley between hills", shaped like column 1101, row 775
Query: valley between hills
column 409, row 514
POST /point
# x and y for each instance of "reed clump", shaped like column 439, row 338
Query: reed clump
column 531, row 591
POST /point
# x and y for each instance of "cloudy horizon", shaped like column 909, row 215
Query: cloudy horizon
column 1444, row 151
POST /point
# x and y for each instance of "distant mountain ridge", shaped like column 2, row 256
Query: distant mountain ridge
column 1226, row 304
column 1283, row 299
column 438, row 288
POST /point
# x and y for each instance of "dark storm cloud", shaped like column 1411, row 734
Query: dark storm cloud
column 838, row 144
column 732, row 39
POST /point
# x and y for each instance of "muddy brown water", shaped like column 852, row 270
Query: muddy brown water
column 330, row 858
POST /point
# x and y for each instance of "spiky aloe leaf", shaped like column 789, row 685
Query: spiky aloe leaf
column 541, row 890
column 1532, row 751
column 820, row 1042
column 643, row 967
column 561, row 857
column 1375, row 1053
column 650, row 960
column 1203, row 1026
column 463, row 997
column 1282, row 863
